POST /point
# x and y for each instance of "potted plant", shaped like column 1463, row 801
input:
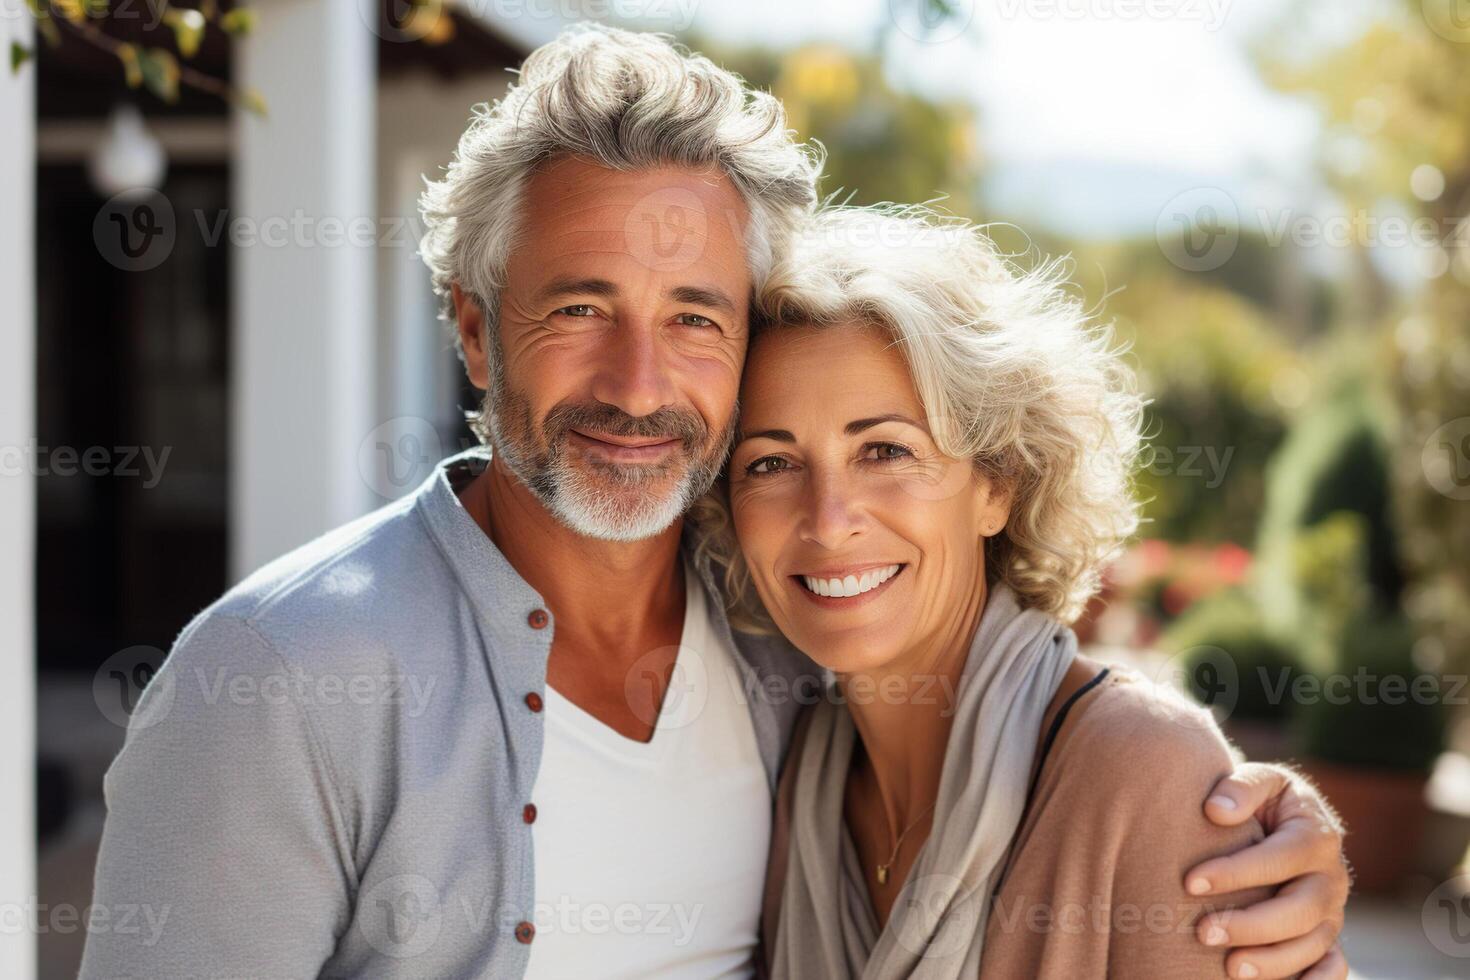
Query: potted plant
column 1369, row 735
column 1369, row 722
column 1249, row 695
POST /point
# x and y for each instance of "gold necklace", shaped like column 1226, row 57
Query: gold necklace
column 883, row 868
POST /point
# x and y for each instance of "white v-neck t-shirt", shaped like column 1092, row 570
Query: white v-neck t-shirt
column 650, row 857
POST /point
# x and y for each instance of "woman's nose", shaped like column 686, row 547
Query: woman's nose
column 833, row 514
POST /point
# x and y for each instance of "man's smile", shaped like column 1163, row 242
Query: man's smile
column 623, row 449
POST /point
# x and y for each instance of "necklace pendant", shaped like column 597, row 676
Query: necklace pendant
column 882, row 874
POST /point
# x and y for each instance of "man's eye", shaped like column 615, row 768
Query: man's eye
column 581, row 309
column 695, row 320
column 766, row 465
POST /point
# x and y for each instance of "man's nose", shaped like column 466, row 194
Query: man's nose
column 631, row 372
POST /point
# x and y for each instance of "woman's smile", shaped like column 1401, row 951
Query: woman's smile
column 849, row 586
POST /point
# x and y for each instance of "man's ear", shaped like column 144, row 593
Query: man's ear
column 470, row 321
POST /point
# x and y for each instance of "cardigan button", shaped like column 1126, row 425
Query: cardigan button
column 525, row 932
column 533, row 701
column 538, row 619
column 528, row 813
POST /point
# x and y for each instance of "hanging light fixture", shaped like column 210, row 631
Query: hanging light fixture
column 129, row 158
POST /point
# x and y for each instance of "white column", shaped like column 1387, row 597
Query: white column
column 17, row 510
column 303, row 291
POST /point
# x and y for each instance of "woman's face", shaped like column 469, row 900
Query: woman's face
column 864, row 541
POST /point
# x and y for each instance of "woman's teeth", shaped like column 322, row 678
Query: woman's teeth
column 842, row 588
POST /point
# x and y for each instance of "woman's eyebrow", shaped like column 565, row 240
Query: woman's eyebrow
column 858, row 425
column 852, row 428
column 780, row 435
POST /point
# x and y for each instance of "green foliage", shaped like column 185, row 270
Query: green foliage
column 1216, row 370
column 153, row 67
column 885, row 144
column 160, row 73
column 1334, row 461
column 188, row 28
column 1383, row 712
column 1369, row 704
column 239, row 21
column 1395, row 94
column 1264, row 663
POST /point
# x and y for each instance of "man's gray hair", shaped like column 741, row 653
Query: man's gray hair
column 625, row 101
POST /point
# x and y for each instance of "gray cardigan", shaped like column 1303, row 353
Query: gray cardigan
column 328, row 776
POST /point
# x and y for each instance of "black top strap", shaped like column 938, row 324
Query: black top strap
column 1056, row 726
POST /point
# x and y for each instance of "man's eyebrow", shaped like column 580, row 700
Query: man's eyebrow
column 703, row 296
column 859, row 425
column 568, row 287
column 780, row 435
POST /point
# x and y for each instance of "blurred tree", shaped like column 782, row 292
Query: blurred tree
column 154, row 54
column 1334, row 466
column 153, row 51
column 1223, row 378
column 1397, row 99
column 883, row 144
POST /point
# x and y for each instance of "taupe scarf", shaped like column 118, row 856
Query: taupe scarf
column 937, row 927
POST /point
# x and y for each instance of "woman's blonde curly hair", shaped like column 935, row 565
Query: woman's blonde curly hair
column 1013, row 374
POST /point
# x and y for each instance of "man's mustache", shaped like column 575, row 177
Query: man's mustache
column 666, row 423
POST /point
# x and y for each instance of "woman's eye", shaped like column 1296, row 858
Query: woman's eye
column 766, row 465
column 581, row 309
column 888, row 450
column 695, row 320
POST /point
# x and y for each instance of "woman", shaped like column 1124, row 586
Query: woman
column 933, row 468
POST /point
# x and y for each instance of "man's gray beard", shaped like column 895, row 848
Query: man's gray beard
column 587, row 506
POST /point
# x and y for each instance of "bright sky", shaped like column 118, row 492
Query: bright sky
column 1093, row 113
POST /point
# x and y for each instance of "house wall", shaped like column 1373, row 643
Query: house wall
column 17, row 514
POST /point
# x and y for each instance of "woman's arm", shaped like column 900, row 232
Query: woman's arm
column 1097, row 879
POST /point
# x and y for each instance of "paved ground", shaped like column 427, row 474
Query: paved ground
column 1387, row 940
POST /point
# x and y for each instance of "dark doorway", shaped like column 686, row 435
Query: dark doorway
column 133, row 368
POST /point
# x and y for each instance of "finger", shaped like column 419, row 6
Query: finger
column 1301, row 907
column 1302, row 797
column 1298, row 846
column 1281, row 960
column 1333, row 966
column 1237, row 797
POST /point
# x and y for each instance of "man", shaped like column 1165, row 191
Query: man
column 511, row 629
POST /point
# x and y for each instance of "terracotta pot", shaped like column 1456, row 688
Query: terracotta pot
column 1260, row 741
column 1384, row 811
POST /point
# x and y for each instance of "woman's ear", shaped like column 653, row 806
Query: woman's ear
column 995, row 506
